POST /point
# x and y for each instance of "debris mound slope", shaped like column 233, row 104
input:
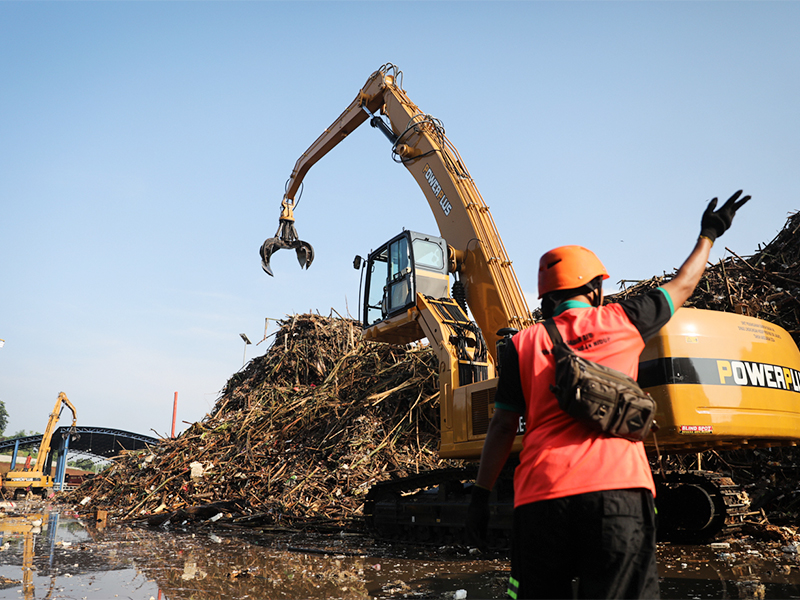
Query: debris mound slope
column 765, row 285
column 299, row 434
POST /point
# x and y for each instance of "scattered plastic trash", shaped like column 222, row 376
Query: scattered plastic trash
column 197, row 470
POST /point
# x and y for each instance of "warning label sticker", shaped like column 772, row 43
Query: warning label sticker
column 697, row 429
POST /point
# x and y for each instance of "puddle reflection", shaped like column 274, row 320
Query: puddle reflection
column 47, row 554
column 55, row 555
column 43, row 555
column 214, row 566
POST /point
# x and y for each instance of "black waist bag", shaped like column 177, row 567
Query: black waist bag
column 603, row 398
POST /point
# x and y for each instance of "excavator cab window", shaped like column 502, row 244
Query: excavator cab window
column 401, row 283
column 406, row 264
column 428, row 254
column 377, row 272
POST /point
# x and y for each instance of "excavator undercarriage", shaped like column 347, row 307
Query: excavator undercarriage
column 694, row 507
column 431, row 508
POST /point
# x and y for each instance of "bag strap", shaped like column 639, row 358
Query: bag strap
column 558, row 342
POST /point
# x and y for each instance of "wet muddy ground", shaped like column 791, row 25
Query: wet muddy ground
column 55, row 555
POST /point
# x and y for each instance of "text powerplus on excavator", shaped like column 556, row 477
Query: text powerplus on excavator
column 721, row 380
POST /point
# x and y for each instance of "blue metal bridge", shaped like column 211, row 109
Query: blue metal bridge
column 101, row 442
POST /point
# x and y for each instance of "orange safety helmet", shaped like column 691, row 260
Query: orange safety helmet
column 567, row 268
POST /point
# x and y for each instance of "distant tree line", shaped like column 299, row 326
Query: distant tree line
column 3, row 417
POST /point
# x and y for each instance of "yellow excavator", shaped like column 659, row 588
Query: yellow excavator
column 39, row 479
column 720, row 380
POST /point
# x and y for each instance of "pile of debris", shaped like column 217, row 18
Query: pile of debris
column 300, row 433
column 765, row 285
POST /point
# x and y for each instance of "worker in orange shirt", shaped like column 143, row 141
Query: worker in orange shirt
column 584, row 519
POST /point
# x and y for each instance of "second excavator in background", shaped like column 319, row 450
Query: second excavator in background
column 38, row 479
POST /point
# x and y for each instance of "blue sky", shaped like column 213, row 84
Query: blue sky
column 144, row 148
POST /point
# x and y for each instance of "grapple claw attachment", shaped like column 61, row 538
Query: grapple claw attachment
column 286, row 237
column 267, row 249
column 305, row 254
column 304, row 250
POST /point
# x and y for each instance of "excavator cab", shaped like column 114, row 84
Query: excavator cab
column 408, row 264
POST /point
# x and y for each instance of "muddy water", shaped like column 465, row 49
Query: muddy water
column 53, row 555
column 742, row 569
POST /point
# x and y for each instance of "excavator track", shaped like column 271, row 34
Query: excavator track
column 696, row 506
column 431, row 508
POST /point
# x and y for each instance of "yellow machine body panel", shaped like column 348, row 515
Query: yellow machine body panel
column 400, row 329
column 467, row 421
column 722, row 380
column 27, row 479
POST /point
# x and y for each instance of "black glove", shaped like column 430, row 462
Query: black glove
column 714, row 224
column 478, row 517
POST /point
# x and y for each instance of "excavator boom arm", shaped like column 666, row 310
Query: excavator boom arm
column 286, row 237
column 47, row 437
column 369, row 97
column 493, row 292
